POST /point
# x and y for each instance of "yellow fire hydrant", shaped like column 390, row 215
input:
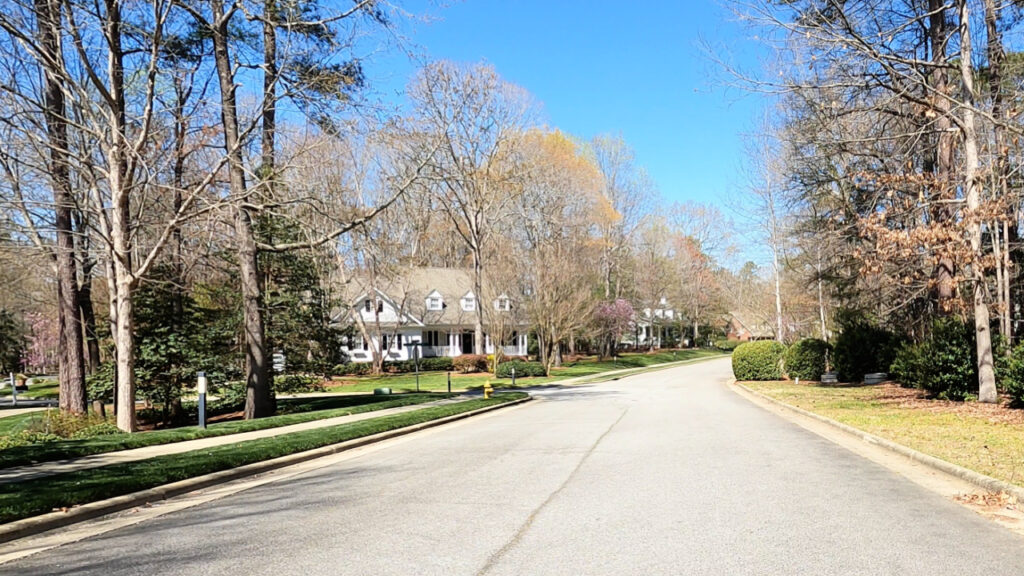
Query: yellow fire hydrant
column 487, row 389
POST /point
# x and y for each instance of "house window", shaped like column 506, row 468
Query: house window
column 380, row 306
column 469, row 303
column 367, row 305
column 434, row 303
column 503, row 303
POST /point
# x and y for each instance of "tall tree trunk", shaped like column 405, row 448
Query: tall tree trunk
column 1007, row 310
column 478, row 286
column 71, row 359
column 1002, row 300
column 778, row 291
column 84, row 287
column 121, row 222
column 258, row 399
column 995, row 55
column 943, row 165
column 269, row 124
column 92, row 341
column 821, row 299
column 124, row 323
column 177, row 241
column 986, row 371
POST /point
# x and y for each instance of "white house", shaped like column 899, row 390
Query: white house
column 433, row 309
column 648, row 325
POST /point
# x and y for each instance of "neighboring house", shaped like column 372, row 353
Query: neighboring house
column 745, row 326
column 433, row 308
column 649, row 325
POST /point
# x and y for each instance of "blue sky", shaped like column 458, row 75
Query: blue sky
column 635, row 69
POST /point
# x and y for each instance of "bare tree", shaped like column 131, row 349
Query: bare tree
column 479, row 119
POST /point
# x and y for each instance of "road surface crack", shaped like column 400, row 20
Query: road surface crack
column 494, row 558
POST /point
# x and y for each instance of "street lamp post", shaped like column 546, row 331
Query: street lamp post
column 201, row 388
column 415, row 348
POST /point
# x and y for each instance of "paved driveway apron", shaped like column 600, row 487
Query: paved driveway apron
column 661, row 473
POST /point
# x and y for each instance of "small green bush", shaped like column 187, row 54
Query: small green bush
column 862, row 348
column 945, row 364
column 468, row 363
column 523, row 369
column 55, row 424
column 806, row 359
column 294, row 383
column 439, row 364
column 26, row 438
column 1012, row 376
column 229, row 396
column 353, row 369
column 727, row 345
column 760, row 360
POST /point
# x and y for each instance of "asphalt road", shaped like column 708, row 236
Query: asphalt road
column 662, row 473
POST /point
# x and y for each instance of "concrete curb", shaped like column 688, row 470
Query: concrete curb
column 980, row 480
column 36, row 524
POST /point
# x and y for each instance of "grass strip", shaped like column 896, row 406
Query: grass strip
column 39, row 496
column 986, row 439
column 303, row 410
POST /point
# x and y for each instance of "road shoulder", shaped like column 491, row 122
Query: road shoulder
column 946, row 479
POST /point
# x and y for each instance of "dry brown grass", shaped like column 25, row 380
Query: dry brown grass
column 988, row 438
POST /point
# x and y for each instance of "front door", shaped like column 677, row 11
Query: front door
column 467, row 342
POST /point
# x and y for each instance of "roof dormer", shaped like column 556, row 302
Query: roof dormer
column 503, row 303
column 469, row 302
column 434, row 301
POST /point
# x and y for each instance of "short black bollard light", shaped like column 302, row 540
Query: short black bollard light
column 449, row 382
column 201, row 388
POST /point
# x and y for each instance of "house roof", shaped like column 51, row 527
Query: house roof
column 409, row 292
column 756, row 324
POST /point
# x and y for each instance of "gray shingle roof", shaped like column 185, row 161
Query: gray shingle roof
column 409, row 292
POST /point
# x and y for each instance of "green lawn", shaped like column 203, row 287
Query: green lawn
column 438, row 381
column 43, row 389
column 296, row 411
column 25, row 499
column 986, row 438
column 16, row 423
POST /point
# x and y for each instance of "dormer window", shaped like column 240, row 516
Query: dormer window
column 434, row 301
column 368, row 305
column 469, row 302
column 503, row 303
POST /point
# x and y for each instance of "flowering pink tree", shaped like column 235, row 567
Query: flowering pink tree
column 43, row 343
column 611, row 320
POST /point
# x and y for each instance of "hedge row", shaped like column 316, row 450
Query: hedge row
column 439, row 364
column 727, row 345
column 523, row 369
